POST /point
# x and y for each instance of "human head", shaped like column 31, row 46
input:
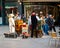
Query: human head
column 41, row 12
column 11, row 15
column 33, row 13
column 17, row 13
column 36, row 14
column 46, row 15
column 51, row 16
column 43, row 16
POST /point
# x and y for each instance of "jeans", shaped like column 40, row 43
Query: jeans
column 45, row 28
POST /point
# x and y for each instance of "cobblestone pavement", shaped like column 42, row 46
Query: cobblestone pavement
column 25, row 43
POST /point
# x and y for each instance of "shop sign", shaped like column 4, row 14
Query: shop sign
column 41, row 0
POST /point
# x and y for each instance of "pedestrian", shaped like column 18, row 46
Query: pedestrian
column 17, row 16
column 24, row 18
column 11, row 24
column 40, row 33
column 50, row 21
column 29, row 24
column 34, row 24
column 44, row 25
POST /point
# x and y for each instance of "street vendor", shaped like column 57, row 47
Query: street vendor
column 11, row 23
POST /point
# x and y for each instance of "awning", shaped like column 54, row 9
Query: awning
column 10, row 5
column 7, row 7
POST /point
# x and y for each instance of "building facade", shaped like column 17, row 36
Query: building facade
column 27, row 6
column 46, row 6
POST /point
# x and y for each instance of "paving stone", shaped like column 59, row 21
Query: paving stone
column 25, row 43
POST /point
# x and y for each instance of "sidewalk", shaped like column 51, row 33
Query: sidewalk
column 24, row 43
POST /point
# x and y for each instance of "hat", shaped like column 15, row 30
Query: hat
column 11, row 15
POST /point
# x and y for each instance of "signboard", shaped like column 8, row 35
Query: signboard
column 0, row 20
column 41, row 0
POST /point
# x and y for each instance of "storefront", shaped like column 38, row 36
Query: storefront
column 45, row 7
column 10, row 8
column 5, row 9
column 0, row 12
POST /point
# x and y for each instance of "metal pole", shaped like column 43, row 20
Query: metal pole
column 3, row 13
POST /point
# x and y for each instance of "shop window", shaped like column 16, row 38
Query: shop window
column 0, row 13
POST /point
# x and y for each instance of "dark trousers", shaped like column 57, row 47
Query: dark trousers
column 52, row 27
column 34, row 30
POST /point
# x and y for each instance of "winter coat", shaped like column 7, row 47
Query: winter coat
column 50, row 22
column 34, row 21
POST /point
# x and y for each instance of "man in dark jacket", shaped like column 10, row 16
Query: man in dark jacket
column 50, row 22
column 34, row 24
